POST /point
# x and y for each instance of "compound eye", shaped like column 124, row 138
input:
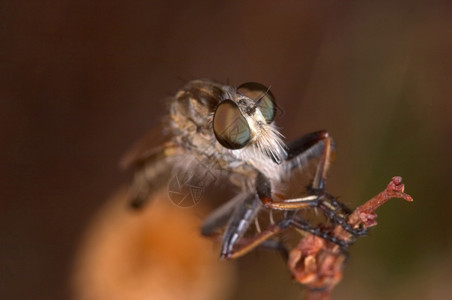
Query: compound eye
column 262, row 95
column 230, row 127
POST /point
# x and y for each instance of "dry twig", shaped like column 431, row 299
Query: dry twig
column 317, row 264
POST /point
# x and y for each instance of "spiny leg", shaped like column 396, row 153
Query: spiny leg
column 324, row 164
column 332, row 209
column 238, row 224
column 263, row 189
column 338, row 213
column 220, row 216
column 308, row 147
column 302, row 149
column 316, row 144
column 246, row 245
column 320, row 232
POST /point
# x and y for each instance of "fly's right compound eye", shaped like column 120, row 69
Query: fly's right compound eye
column 230, row 127
column 265, row 100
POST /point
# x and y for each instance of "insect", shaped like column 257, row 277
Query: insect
column 230, row 132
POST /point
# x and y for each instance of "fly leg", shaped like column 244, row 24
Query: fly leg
column 239, row 222
column 263, row 238
column 219, row 217
column 333, row 209
column 320, row 232
column 314, row 145
column 245, row 246
column 310, row 146
column 243, row 207
column 318, row 144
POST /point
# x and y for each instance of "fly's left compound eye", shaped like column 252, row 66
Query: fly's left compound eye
column 230, row 127
column 263, row 97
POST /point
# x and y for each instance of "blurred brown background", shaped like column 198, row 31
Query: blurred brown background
column 81, row 80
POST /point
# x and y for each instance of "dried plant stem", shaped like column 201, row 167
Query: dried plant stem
column 317, row 264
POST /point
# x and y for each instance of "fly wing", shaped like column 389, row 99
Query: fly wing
column 150, row 159
column 152, row 144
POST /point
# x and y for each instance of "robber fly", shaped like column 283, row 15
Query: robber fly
column 231, row 132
